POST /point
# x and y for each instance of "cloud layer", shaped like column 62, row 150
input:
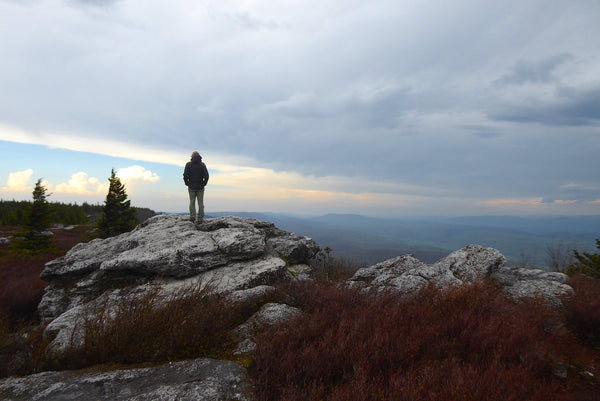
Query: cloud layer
column 481, row 101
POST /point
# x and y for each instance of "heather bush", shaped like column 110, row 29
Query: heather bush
column 468, row 343
column 583, row 309
column 20, row 287
column 22, row 352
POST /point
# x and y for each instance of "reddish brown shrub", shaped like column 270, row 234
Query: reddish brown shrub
column 583, row 309
column 22, row 352
column 20, row 285
column 190, row 324
column 468, row 343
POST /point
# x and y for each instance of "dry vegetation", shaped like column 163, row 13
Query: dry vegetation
column 191, row 323
column 471, row 343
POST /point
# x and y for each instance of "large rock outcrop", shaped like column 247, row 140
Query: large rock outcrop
column 406, row 274
column 240, row 257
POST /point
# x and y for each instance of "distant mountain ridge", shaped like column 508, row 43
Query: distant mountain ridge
column 371, row 239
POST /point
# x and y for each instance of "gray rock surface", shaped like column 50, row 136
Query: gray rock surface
column 270, row 314
column 200, row 379
column 241, row 257
column 407, row 274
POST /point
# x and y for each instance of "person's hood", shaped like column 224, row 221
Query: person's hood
column 196, row 159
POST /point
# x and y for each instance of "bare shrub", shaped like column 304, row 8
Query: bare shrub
column 559, row 257
column 334, row 268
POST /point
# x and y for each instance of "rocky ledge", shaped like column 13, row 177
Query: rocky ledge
column 240, row 257
column 406, row 274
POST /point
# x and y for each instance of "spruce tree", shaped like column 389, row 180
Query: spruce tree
column 587, row 263
column 38, row 220
column 39, row 217
column 118, row 216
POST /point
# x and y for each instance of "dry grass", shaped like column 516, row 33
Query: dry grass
column 192, row 323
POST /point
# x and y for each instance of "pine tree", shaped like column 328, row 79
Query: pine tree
column 118, row 215
column 39, row 217
column 587, row 263
column 38, row 220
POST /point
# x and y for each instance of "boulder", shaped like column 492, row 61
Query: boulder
column 269, row 315
column 240, row 257
column 406, row 274
column 198, row 379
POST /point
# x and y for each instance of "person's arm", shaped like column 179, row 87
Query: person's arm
column 186, row 175
column 205, row 174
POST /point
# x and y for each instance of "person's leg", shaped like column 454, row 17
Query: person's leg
column 192, row 204
column 200, row 196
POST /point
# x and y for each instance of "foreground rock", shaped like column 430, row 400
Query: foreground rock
column 406, row 274
column 199, row 379
column 240, row 257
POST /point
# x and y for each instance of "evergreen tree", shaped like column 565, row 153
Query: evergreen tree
column 587, row 263
column 118, row 215
column 39, row 217
column 38, row 220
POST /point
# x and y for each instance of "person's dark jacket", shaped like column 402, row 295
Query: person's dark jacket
column 195, row 174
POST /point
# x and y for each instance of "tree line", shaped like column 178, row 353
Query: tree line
column 116, row 216
column 14, row 213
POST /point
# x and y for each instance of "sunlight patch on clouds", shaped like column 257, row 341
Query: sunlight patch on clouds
column 506, row 202
column 78, row 143
column 134, row 173
column 18, row 181
column 261, row 179
column 81, row 184
column 113, row 148
column 564, row 202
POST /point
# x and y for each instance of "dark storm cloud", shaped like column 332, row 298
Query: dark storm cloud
column 570, row 107
column 535, row 72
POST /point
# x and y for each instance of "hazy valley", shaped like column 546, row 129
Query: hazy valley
column 371, row 240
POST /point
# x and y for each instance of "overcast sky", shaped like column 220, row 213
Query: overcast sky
column 306, row 106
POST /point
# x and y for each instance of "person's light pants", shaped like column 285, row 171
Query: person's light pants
column 199, row 196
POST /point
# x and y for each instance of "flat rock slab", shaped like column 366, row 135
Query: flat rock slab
column 200, row 379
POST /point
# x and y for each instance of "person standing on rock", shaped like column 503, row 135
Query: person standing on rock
column 195, row 176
